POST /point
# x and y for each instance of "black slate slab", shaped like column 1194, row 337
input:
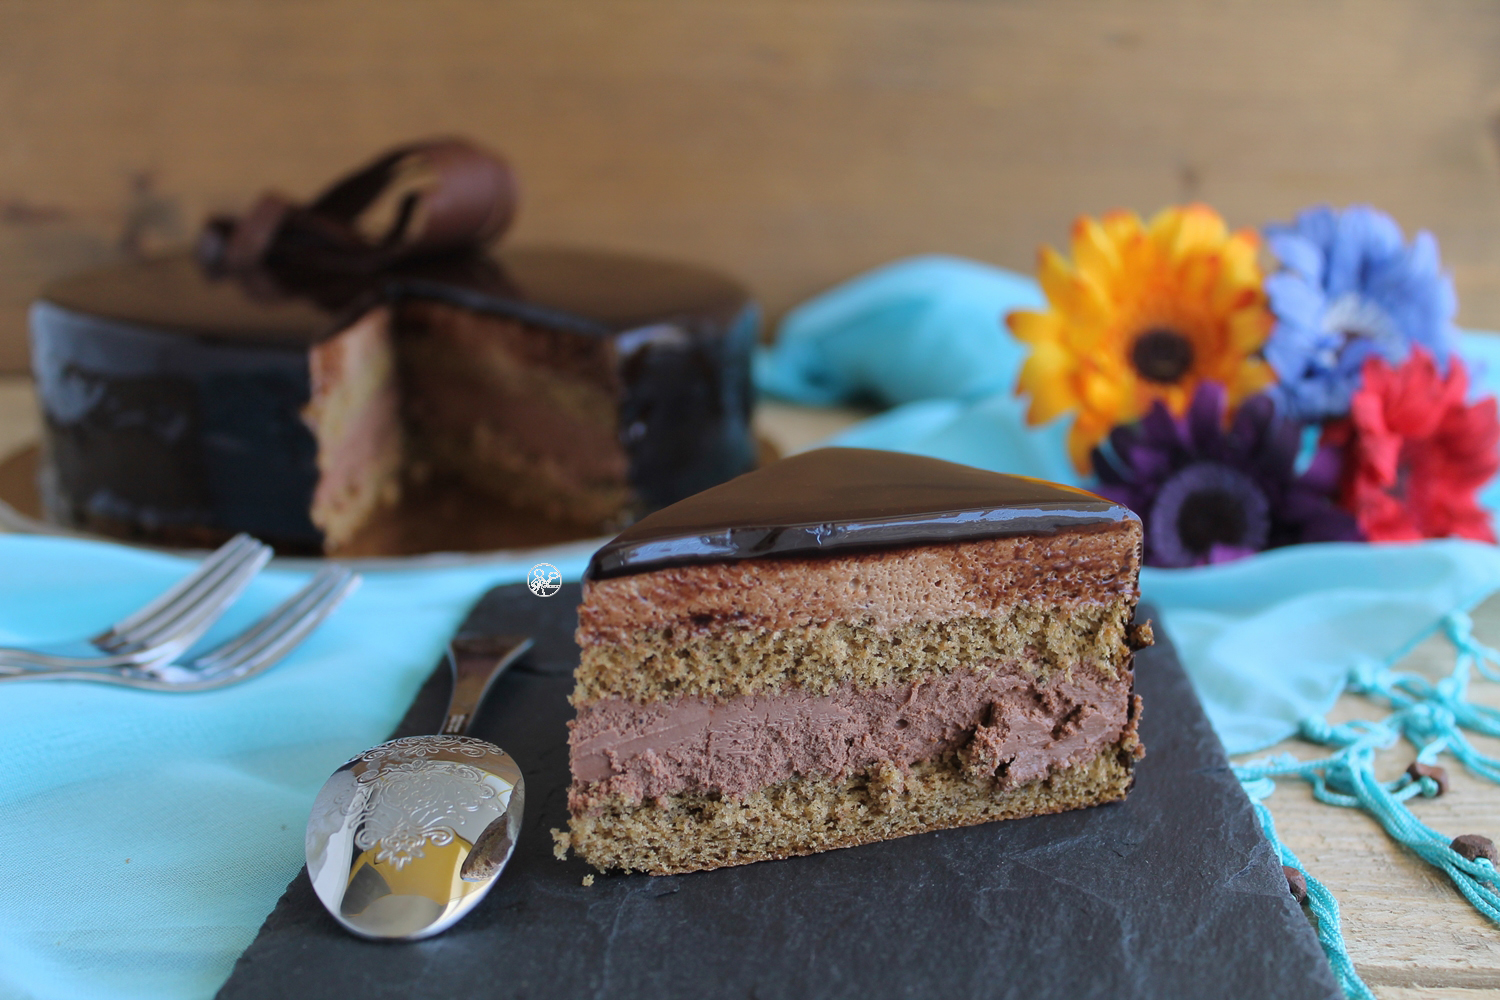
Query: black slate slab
column 1173, row 893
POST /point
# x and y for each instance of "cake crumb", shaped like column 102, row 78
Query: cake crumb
column 561, row 841
column 887, row 785
column 588, row 880
column 1138, row 637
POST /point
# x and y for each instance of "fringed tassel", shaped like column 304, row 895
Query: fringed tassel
column 1319, row 900
column 1432, row 717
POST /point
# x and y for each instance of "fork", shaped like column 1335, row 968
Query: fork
column 167, row 625
column 251, row 652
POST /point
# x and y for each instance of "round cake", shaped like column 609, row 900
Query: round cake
column 297, row 402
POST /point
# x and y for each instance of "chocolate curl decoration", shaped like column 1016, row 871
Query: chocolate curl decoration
column 467, row 198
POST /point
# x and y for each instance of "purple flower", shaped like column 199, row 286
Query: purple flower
column 1350, row 287
column 1209, row 495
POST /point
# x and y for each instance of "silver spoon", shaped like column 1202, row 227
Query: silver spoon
column 407, row 838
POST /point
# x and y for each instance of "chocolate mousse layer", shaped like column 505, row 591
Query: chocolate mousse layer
column 1012, row 728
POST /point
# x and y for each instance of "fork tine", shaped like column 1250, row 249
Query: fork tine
column 169, row 637
column 150, row 621
column 254, row 650
column 274, row 622
column 191, row 620
column 231, row 551
column 321, row 598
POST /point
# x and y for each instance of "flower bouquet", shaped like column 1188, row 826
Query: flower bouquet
column 1242, row 393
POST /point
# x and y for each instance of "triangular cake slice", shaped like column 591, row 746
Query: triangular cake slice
column 847, row 646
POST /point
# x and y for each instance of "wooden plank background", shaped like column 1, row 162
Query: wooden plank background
column 794, row 142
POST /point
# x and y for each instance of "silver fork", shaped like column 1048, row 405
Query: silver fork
column 254, row 650
column 166, row 626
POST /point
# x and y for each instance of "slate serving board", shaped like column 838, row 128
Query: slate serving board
column 1173, row 893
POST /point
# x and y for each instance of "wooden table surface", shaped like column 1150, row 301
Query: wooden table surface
column 1409, row 931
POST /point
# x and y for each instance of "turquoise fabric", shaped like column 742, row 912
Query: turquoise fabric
column 922, row 328
column 146, row 836
column 1268, row 641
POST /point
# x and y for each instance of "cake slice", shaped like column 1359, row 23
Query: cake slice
column 848, row 646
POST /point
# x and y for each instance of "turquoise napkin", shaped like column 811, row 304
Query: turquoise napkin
column 922, row 328
column 1268, row 641
column 146, row 835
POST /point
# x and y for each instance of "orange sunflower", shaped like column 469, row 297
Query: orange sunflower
column 1144, row 312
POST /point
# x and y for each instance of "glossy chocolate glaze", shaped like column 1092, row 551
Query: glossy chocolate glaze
column 578, row 290
column 837, row 499
column 157, row 436
column 172, row 401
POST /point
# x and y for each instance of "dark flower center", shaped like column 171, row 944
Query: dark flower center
column 1208, row 516
column 1204, row 506
column 1162, row 355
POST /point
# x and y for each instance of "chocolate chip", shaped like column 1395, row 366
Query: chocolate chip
column 1419, row 770
column 1296, row 883
column 1474, row 847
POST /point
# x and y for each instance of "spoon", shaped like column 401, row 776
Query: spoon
column 407, row 838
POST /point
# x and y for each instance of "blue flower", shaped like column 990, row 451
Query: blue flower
column 1350, row 288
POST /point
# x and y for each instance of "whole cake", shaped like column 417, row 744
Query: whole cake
column 293, row 377
column 847, row 646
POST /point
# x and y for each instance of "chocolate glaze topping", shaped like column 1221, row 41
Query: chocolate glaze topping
column 849, row 498
column 582, row 291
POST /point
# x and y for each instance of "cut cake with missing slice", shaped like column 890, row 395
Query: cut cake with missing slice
column 848, row 646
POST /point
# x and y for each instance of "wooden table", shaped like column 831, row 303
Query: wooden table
column 1409, row 931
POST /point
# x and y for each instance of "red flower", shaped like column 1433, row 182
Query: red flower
column 1416, row 454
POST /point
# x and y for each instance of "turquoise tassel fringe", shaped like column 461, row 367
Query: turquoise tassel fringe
column 1433, row 718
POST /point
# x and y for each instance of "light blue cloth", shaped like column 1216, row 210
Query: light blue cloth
column 1269, row 640
column 874, row 337
column 146, row 836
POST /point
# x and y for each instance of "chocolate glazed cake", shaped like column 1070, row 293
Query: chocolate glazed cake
column 297, row 376
column 848, row 646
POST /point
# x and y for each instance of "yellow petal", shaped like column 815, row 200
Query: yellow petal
column 1241, row 255
column 1248, row 330
column 1050, row 401
column 1123, row 228
column 1080, row 445
column 1052, row 268
column 1094, row 253
column 1033, row 327
column 1189, row 228
column 1101, row 393
column 1251, row 377
column 1068, row 292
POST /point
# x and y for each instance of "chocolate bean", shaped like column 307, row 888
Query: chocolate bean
column 1474, row 847
column 1419, row 770
column 1296, row 883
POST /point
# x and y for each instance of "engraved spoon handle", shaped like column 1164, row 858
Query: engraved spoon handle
column 477, row 662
